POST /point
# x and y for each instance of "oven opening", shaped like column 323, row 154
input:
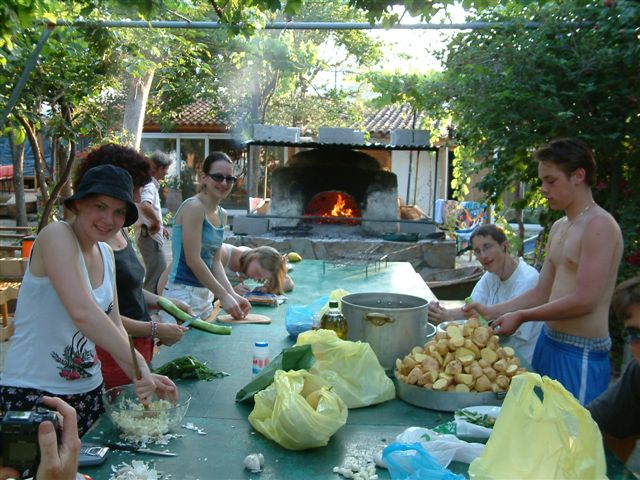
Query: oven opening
column 334, row 206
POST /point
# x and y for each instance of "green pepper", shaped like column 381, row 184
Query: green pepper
column 188, row 367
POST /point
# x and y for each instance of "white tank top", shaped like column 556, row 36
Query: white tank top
column 47, row 351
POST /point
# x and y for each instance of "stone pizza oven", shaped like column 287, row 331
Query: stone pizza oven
column 318, row 180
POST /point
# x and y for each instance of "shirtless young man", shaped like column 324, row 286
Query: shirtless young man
column 574, row 289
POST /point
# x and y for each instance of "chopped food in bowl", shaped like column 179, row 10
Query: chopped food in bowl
column 132, row 419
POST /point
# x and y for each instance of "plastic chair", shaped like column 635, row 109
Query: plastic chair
column 470, row 216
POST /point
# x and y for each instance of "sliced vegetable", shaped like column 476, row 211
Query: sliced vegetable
column 171, row 308
column 188, row 367
column 481, row 319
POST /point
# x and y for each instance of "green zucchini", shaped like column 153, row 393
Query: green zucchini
column 481, row 319
column 211, row 327
column 170, row 307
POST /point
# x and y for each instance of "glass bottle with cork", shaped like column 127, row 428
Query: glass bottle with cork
column 334, row 320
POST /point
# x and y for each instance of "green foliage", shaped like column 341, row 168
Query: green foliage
column 512, row 89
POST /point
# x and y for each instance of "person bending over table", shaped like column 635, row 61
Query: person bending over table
column 578, row 276
column 197, row 274
column 134, row 301
column 260, row 264
column 505, row 278
column 67, row 304
column 617, row 411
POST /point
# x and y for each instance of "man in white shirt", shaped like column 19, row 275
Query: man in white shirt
column 150, row 232
column 505, row 278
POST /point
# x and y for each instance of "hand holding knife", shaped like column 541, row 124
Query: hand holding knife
column 127, row 447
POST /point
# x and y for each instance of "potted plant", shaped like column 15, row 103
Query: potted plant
column 171, row 192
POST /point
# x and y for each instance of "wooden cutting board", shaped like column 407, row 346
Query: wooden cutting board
column 250, row 318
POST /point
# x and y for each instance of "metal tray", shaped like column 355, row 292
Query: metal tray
column 445, row 401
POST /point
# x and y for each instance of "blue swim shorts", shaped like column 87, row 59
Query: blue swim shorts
column 580, row 364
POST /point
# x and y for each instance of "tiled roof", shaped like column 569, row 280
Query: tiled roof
column 199, row 113
column 387, row 119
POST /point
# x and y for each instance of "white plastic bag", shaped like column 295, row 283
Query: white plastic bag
column 443, row 447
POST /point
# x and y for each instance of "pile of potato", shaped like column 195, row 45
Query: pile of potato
column 467, row 358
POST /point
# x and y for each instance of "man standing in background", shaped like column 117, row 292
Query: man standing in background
column 150, row 232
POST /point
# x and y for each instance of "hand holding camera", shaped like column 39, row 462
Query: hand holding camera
column 29, row 435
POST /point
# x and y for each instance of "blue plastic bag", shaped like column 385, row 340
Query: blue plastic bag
column 410, row 461
column 299, row 318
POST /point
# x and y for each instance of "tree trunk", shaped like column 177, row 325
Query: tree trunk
column 62, row 157
column 38, row 159
column 253, row 175
column 17, row 158
column 59, row 186
column 134, row 109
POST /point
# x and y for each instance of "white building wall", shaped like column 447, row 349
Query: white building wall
column 421, row 190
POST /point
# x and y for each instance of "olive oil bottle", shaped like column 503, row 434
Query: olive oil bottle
column 333, row 320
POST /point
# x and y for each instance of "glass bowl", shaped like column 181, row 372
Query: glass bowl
column 128, row 414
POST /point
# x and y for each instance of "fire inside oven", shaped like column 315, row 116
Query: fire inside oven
column 335, row 207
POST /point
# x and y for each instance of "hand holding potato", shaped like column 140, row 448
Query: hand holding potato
column 438, row 314
column 508, row 323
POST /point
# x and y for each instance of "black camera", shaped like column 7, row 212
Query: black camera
column 19, row 447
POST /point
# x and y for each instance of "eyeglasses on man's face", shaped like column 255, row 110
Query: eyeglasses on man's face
column 219, row 178
column 631, row 334
column 484, row 249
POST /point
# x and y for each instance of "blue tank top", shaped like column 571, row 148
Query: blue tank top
column 211, row 241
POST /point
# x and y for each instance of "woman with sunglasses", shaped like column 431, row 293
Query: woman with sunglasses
column 197, row 274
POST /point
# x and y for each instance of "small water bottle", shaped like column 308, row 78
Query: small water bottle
column 260, row 356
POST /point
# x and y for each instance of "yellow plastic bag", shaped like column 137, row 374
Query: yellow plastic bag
column 351, row 367
column 532, row 439
column 283, row 414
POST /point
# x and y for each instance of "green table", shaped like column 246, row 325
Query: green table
column 230, row 437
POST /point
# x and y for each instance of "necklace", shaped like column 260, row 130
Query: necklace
column 565, row 232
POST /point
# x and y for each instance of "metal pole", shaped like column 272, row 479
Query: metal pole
column 301, row 25
column 22, row 81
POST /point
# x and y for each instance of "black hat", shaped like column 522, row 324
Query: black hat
column 107, row 180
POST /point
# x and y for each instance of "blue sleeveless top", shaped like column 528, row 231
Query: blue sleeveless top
column 211, row 241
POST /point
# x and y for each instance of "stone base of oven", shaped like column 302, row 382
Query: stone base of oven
column 423, row 254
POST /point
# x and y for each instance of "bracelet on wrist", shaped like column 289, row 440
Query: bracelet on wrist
column 154, row 329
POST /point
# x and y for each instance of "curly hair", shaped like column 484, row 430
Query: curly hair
column 121, row 156
column 271, row 260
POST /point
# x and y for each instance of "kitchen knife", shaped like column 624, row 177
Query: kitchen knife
column 171, row 308
column 134, row 448
column 188, row 322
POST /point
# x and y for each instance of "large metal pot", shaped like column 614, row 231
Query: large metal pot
column 392, row 323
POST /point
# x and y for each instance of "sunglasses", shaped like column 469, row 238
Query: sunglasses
column 631, row 334
column 218, row 177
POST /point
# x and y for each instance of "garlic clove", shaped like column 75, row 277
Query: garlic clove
column 254, row 462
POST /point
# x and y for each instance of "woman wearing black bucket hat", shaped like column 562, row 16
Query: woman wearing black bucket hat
column 135, row 303
column 67, row 305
